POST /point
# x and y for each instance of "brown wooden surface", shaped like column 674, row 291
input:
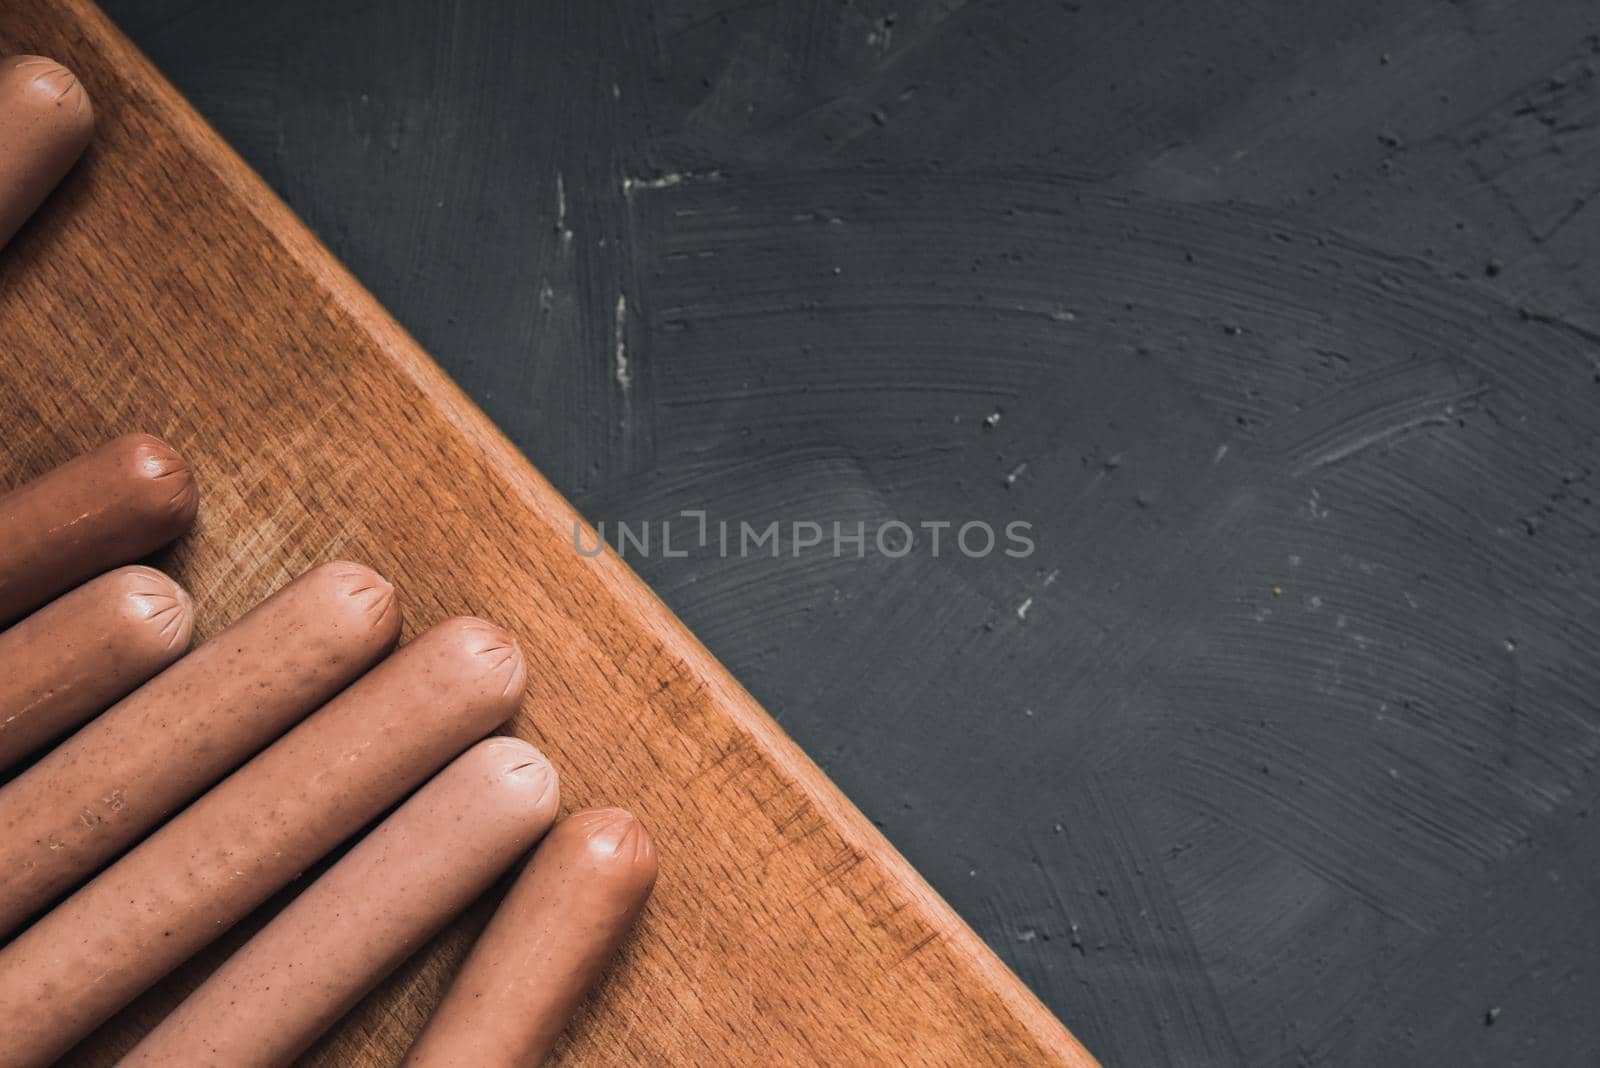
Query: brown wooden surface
column 165, row 289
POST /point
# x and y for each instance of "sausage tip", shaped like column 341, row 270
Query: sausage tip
column 525, row 776
column 495, row 651
column 152, row 600
column 167, row 486
column 58, row 85
column 616, row 843
column 372, row 595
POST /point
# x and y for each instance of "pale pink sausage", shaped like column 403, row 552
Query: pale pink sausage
column 45, row 123
column 548, row 942
column 256, row 830
column 84, row 650
column 395, row 889
column 135, row 764
column 107, row 507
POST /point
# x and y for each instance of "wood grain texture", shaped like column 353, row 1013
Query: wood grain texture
column 166, row 289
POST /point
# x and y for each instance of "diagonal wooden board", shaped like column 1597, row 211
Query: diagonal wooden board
column 165, row 288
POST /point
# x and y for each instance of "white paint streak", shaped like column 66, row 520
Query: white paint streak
column 620, row 369
column 561, row 209
column 667, row 181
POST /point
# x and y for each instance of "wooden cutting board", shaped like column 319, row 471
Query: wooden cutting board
column 165, row 288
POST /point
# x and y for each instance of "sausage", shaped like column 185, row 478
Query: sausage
column 263, row 825
column 45, row 123
column 78, row 654
column 370, row 911
column 545, row 947
column 176, row 735
column 107, row 507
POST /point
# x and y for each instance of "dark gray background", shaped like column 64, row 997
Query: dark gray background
column 1280, row 749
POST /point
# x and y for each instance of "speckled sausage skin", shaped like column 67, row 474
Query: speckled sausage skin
column 263, row 825
column 547, row 944
column 45, row 123
column 81, row 652
column 109, row 506
column 147, row 755
column 374, row 908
